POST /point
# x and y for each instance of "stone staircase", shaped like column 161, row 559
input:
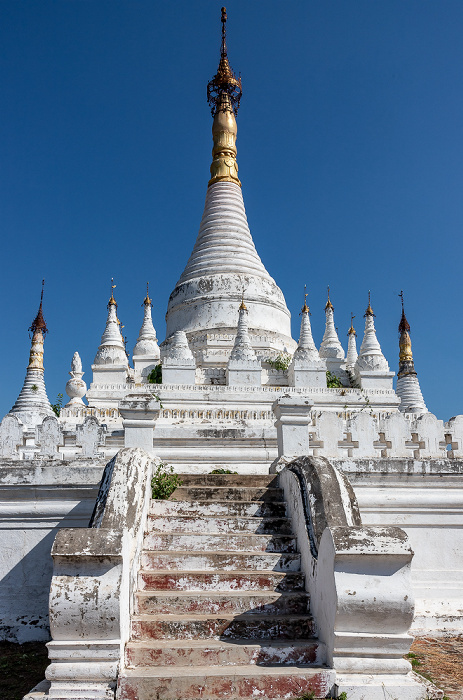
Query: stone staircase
column 221, row 610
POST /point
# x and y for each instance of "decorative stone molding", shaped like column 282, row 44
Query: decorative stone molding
column 93, row 578
column 49, row 437
column 11, row 436
column 292, row 424
column 89, row 436
column 358, row 578
column 139, row 414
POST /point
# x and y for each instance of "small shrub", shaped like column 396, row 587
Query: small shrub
column 342, row 696
column 155, row 376
column 332, row 381
column 222, row 471
column 164, row 481
column 56, row 407
column 34, row 387
column 280, row 362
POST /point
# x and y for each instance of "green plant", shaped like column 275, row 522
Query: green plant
column 280, row 362
column 155, row 376
column 34, row 387
column 332, row 381
column 222, row 471
column 306, row 696
column 164, row 481
column 56, row 407
column 342, row 696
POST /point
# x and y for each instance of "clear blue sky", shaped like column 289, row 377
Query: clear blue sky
column 349, row 148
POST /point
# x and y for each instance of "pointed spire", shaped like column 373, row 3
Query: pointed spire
column 352, row 353
column 243, row 306
column 242, row 348
column 371, row 357
column 224, row 81
column 147, row 344
column 306, row 350
column 111, row 350
column 408, row 387
column 32, row 404
column 331, row 348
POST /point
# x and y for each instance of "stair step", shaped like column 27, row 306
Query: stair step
column 204, row 524
column 233, row 480
column 220, row 580
column 255, row 626
column 214, row 652
column 231, row 542
column 216, row 683
column 261, row 509
column 230, row 602
column 228, row 561
column 226, row 493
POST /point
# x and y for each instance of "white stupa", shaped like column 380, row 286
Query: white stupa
column 224, row 262
column 331, row 349
column 146, row 352
column 408, row 387
column 371, row 368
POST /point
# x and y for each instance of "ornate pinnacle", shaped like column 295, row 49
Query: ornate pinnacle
column 243, row 306
column 369, row 311
column 224, row 81
column 328, row 304
column 147, row 300
column 404, row 324
column 351, row 330
column 305, row 309
column 112, row 301
column 38, row 324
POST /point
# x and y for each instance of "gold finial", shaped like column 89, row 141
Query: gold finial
column 224, row 94
column 405, row 343
column 243, row 306
column 305, row 309
column 404, row 324
column 369, row 311
column 112, row 301
column 329, row 305
column 351, row 330
column 147, row 301
column 38, row 324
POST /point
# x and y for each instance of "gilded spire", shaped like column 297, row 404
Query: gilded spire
column 405, row 344
column 305, row 309
column 243, row 306
column 38, row 324
column 408, row 387
column 224, row 94
column 112, row 301
column 369, row 311
column 328, row 304
column 351, row 330
column 147, row 300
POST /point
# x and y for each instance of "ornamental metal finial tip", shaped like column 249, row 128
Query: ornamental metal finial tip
column 112, row 301
column 328, row 304
column 404, row 324
column 38, row 324
column 147, row 300
column 243, row 306
column 351, row 330
column 224, row 81
column 369, row 311
column 305, row 308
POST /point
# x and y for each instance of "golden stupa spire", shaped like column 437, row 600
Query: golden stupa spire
column 328, row 304
column 305, row 309
column 351, row 330
column 224, row 95
column 147, row 300
column 405, row 343
column 369, row 311
column 112, row 301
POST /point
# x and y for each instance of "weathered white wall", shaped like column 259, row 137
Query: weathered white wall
column 35, row 501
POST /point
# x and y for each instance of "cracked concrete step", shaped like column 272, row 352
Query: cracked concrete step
column 249, row 626
column 228, row 561
column 214, row 652
column 220, row 580
column 187, row 523
column 226, row 493
column 217, row 683
column 216, row 603
column 261, row 509
column 231, row 542
column 248, row 480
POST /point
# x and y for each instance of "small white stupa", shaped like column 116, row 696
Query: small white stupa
column 32, row 404
column 371, row 368
column 178, row 365
column 146, row 352
column 331, row 349
column 110, row 363
column 352, row 354
column 408, row 387
column 244, row 368
column 306, row 368
column 76, row 388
